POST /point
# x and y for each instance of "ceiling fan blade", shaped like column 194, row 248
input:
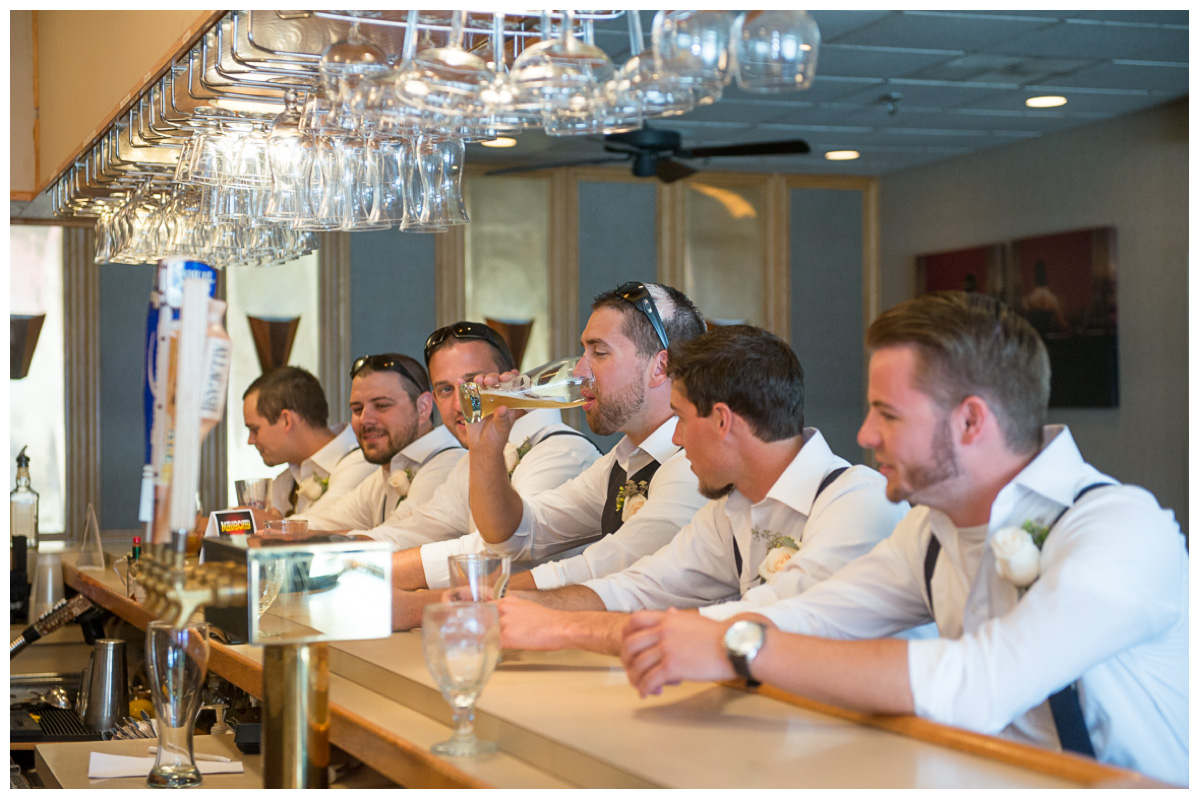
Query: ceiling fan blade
column 790, row 147
column 669, row 170
column 554, row 164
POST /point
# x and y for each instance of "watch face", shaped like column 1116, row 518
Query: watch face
column 744, row 637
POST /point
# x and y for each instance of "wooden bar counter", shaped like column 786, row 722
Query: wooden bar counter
column 571, row 719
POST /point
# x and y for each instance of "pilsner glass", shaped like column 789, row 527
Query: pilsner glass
column 462, row 645
column 553, row 385
column 176, row 662
column 478, row 577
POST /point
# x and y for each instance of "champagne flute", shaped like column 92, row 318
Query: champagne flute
column 462, row 645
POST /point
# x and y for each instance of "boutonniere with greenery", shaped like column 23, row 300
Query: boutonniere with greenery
column 313, row 488
column 780, row 550
column 1018, row 552
column 630, row 498
column 514, row 453
column 401, row 481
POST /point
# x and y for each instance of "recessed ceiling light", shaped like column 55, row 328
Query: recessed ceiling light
column 500, row 141
column 1046, row 101
column 842, row 155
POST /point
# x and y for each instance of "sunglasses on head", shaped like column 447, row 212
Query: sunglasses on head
column 383, row 364
column 636, row 293
column 463, row 330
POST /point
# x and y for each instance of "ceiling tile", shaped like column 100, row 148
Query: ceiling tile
column 1147, row 17
column 877, row 62
column 1127, row 75
column 1099, row 40
column 930, row 94
column 933, row 30
column 1095, row 105
column 834, row 24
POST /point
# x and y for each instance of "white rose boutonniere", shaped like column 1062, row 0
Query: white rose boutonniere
column 312, row 488
column 401, row 481
column 514, row 453
column 630, row 498
column 777, row 558
column 1018, row 559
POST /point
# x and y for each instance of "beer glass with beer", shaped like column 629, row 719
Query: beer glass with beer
column 553, row 385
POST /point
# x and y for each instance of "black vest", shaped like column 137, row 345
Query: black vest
column 610, row 520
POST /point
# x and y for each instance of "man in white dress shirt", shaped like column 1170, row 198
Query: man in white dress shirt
column 784, row 511
column 632, row 500
column 391, row 411
column 1081, row 646
column 288, row 419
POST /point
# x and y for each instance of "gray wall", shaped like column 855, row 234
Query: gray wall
column 826, row 312
column 124, row 298
column 392, row 292
column 1131, row 173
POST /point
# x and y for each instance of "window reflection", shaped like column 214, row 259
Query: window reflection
column 723, row 252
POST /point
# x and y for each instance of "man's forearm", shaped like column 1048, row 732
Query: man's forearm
column 407, row 570
column 565, row 598
column 870, row 676
column 495, row 505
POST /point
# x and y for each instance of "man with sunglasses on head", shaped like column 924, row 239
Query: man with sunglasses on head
column 543, row 452
column 288, row 419
column 634, row 499
column 391, row 412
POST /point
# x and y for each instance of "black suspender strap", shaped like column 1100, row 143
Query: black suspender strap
column 565, row 433
column 832, row 476
column 1064, row 704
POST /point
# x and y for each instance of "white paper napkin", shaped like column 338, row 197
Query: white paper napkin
column 106, row 765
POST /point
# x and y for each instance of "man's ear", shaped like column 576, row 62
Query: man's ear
column 287, row 419
column 658, row 372
column 425, row 405
column 722, row 415
column 971, row 419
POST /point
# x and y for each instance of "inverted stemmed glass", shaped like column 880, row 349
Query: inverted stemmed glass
column 176, row 662
column 774, row 51
column 559, row 76
column 691, row 48
column 461, row 642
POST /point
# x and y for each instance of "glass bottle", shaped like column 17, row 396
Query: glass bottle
column 23, row 506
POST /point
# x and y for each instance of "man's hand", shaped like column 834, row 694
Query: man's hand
column 488, row 436
column 526, row 625
column 661, row 648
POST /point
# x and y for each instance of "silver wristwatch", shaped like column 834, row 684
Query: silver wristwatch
column 743, row 639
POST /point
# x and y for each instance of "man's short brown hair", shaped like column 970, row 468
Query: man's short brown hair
column 292, row 388
column 973, row 344
column 749, row 369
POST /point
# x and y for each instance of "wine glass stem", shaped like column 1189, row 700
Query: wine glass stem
column 464, row 723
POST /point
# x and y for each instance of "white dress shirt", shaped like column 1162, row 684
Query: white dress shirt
column 698, row 567
column 430, row 458
column 556, row 453
column 1110, row 608
column 340, row 461
column 569, row 516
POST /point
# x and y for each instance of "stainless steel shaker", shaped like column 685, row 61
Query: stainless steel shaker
column 105, row 690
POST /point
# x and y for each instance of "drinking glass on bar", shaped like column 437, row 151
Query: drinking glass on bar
column 176, row 662
column 253, row 492
column 279, row 527
column 461, row 642
column 478, row 577
column 553, row 385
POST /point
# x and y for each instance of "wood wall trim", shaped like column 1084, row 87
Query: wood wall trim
column 333, row 316
column 81, row 340
column 190, row 37
column 450, row 275
column 562, row 261
column 777, row 273
column 1067, row 766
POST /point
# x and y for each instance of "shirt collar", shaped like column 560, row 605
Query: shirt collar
column 797, row 486
column 533, row 423
column 419, row 451
column 1054, row 471
column 323, row 461
column 657, row 446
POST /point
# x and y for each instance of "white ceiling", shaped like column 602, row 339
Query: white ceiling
column 962, row 78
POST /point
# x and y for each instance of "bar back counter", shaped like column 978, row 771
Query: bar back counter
column 571, row 720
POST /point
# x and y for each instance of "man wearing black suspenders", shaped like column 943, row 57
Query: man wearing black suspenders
column 784, row 511
column 1068, row 630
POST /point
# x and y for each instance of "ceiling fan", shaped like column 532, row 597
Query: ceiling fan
column 654, row 153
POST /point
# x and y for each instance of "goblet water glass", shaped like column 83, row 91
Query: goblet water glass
column 775, row 51
column 176, row 662
column 462, row 645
